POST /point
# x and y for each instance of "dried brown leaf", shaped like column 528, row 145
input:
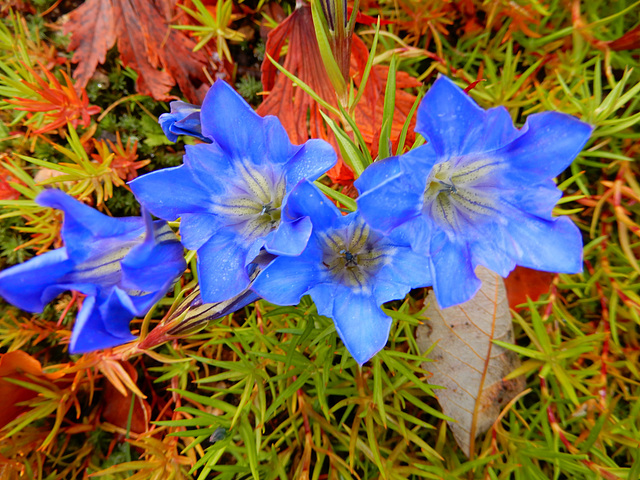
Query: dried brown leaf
column 467, row 363
column 93, row 32
column 161, row 55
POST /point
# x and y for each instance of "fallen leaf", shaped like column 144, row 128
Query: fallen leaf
column 300, row 114
column 18, row 365
column 368, row 113
column 467, row 363
column 93, row 32
column 290, row 104
column 161, row 55
column 525, row 283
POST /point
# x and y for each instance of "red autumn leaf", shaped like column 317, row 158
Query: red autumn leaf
column 300, row 114
column 628, row 41
column 366, row 19
column 161, row 55
column 368, row 114
column 287, row 102
column 525, row 282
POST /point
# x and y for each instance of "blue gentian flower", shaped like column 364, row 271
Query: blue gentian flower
column 479, row 193
column 184, row 119
column 348, row 269
column 123, row 265
column 232, row 194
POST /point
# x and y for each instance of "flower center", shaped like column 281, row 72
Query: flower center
column 453, row 196
column 254, row 202
column 352, row 255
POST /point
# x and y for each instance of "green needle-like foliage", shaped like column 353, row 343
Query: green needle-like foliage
column 270, row 392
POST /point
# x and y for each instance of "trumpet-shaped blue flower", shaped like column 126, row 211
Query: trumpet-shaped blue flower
column 479, row 193
column 184, row 119
column 348, row 269
column 232, row 194
column 123, row 265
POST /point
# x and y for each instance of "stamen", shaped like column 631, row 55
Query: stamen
column 352, row 255
column 451, row 196
column 350, row 260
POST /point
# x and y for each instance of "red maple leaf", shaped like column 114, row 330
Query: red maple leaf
column 161, row 55
column 300, row 114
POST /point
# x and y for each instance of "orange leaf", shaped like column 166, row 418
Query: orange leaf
column 524, row 282
column 117, row 405
column 161, row 55
column 61, row 104
column 17, row 365
column 303, row 59
column 300, row 114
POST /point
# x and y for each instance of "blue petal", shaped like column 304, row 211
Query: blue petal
column 405, row 270
column 493, row 249
column 90, row 331
column 154, row 264
column 197, row 229
column 229, row 120
column 279, row 148
column 449, row 118
column 171, row 192
column 416, row 165
column 286, row 280
column 399, row 195
column 536, row 199
column 378, row 173
column 497, row 131
column 391, row 204
column 221, row 268
column 255, row 249
column 27, row 285
column 184, row 119
column 117, row 311
column 454, row 280
column 313, row 159
column 290, row 238
column 210, row 166
column 548, row 144
column 84, row 225
column 361, row 324
column 323, row 295
column 552, row 246
column 306, row 200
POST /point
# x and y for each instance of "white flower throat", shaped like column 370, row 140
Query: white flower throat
column 453, row 195
column 254, row 203
column 353, row 255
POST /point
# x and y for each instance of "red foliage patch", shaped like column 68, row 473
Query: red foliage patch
column 161, row 55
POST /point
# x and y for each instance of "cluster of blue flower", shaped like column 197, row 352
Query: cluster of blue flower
column 479, row 192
